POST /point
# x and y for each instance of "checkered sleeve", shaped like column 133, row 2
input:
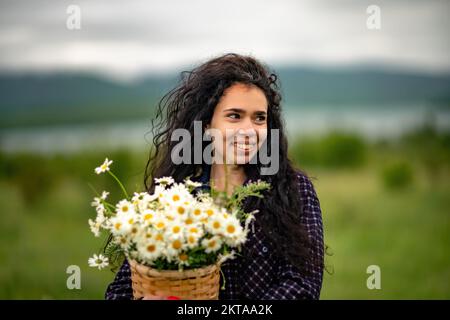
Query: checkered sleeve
column 120, row 288
column 292, row 284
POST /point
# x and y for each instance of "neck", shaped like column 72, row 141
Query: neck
column 227, row 177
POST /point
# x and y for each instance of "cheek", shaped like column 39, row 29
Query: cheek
column 262, row 136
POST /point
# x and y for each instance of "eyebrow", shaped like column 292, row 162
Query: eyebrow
column 239, row 110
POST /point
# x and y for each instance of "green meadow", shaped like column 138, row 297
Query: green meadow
column 384, row 203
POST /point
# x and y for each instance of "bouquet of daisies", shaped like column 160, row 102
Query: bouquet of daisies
column 173, row 228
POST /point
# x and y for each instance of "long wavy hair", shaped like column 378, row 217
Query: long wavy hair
column 194, row 99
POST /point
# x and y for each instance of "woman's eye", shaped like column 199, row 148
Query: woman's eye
column 233, row 116
column 260, row 118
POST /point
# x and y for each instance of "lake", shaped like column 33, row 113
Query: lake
column 373, row 123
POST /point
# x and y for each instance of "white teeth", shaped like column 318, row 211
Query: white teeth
column 244, row 146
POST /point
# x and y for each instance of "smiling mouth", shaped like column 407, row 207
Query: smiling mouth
column 245, row 146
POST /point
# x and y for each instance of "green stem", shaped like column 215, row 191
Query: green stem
column 223, row 277
column 120, row 183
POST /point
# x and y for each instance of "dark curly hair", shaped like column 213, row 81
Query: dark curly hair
column 194, row 99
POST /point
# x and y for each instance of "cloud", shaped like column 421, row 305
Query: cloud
column 127, row 38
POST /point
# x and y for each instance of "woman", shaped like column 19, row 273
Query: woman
column 238, row 98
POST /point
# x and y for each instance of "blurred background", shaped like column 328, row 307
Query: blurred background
column 366, row 102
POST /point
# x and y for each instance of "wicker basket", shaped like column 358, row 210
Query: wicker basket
column 194, row 284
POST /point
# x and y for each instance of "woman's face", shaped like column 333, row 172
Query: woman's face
column 240, row 121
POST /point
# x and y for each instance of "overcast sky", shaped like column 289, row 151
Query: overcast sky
column 128, row 38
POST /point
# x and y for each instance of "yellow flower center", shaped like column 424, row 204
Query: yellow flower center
column 176, row 197
column 176, row 229
column 148, row 216
column 197, row 212
column 193, row 230
column 209, row 212
column 176, row 244
column 159, row 237
column 160, row 225
column 183, row 257
column 231, row 229
column 189, row 221
column 180, row 210
column 212, row 244
column 125, row 208
column 151, row 248
column 216, row 225
column 117, row 225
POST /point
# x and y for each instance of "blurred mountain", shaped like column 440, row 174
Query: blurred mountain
column 59, row 98
column 363, row 87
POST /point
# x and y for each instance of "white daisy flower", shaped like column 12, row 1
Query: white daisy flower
column 95, row 227
column 193, row 233
column 183, row 259
column 149, row 250
column 211, row 212
column 238, row 239
column 125, row 207
column 159, row 238
column 122, row 224
column 123, row 241
column 188, row 220
column 141, row 201
column 174, row 247
column 181, row 210
column 197, row 213
column 159, row 192
column 176, row 195
column 149, row 216
column 98, row 261
column 165, row 181
column 233, row 232
column 160, row 223
column 212, row 245
column 99, row 221
column 103, row 167
column 191, row 184
column 204, row 198
column 192, row 241
column 175, row 230
column 215, row 225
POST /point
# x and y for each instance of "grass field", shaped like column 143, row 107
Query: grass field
column 404, row 229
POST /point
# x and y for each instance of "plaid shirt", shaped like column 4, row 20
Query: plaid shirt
column 266, row 275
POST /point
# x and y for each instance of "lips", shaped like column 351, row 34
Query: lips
column 245, row 146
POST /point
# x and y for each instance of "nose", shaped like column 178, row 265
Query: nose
column 246, row 135
column 246, row 125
